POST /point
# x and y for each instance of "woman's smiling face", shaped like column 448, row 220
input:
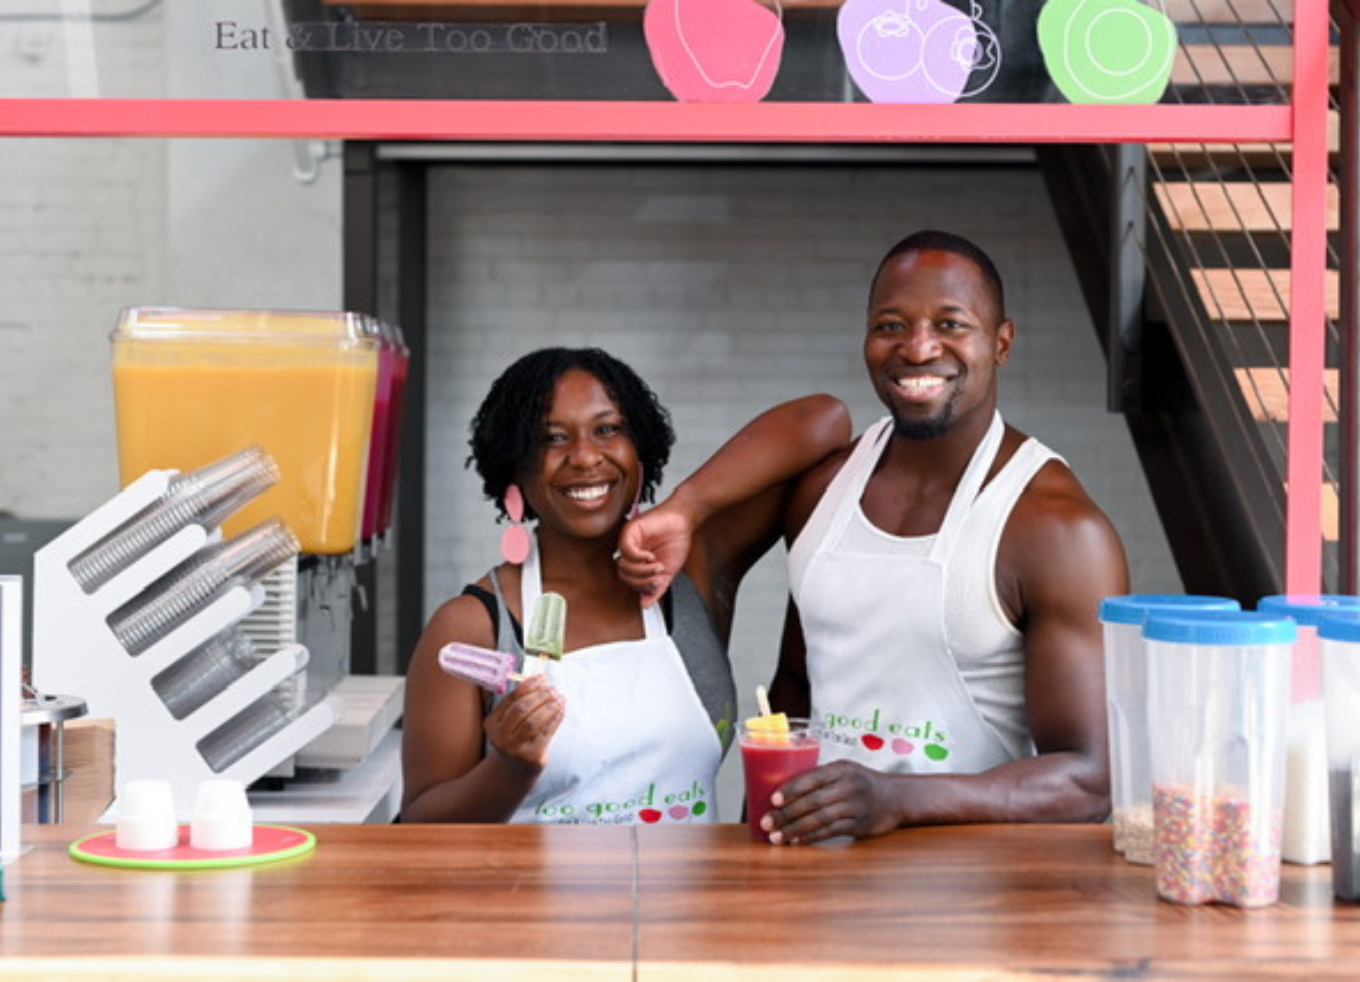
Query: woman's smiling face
column 585, row 477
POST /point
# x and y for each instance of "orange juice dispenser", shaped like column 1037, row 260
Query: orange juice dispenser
column 192, row 386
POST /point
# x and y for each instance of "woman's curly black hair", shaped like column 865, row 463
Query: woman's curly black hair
column 507, row 429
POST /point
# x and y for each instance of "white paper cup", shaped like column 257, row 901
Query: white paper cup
column 146, row 817
column 222, row 816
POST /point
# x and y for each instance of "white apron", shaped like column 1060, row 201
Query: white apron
column 881, row 674
column 636, row 745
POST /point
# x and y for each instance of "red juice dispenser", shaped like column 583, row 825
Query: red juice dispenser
column 380, row 439
column 401, row 365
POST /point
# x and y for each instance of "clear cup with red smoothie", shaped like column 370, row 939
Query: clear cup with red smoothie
column 772, row 757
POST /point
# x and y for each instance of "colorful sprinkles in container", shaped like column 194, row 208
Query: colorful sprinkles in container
column 1215, row 848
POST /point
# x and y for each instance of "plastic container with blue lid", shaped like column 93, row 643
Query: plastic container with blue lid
column 1218, row 710
column 1225, row 630
column 1134, row 608
column 1340, row 625
column 1126, row 698
column 1309, row 608
column 1340, row 634
column 1307, row 833
column 1307, row 611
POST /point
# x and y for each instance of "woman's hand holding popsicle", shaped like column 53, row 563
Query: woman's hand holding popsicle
column 522, row 726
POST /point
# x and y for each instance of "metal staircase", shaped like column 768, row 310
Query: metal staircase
column 1183, row 251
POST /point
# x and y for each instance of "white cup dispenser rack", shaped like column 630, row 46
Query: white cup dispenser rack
column 137, row 610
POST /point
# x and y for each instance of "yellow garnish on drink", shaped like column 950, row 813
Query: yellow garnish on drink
column 768, row 727
column 773, row 723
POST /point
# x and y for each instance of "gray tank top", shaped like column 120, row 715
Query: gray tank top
column 691, row 627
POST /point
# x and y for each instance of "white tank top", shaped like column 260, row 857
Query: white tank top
column 920, row 670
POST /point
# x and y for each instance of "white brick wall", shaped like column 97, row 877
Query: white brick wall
column 78, row 240
column 730, row 289
column 717, row 285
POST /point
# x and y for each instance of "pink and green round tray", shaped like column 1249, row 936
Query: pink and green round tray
column 271, row 844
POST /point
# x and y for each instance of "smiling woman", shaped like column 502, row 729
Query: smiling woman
column 633, row 722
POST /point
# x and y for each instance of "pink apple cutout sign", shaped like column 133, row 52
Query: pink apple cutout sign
column 715, row 50
column 916, row 51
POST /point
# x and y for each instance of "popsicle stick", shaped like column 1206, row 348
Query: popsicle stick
column 763, row 700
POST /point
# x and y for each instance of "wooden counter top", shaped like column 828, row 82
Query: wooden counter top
column 487, row 893
column 971, row 902
column 495, row 902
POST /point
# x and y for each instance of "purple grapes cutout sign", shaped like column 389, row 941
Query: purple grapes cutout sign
column 917, row 51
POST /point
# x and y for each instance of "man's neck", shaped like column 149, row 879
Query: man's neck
column 915, row 480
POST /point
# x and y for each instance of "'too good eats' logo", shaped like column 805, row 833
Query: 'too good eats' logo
column 902, row 739
column 648, row 807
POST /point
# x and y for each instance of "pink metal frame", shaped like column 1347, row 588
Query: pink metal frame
column 1307, row 310
column 1304, row 124
column 642, row 122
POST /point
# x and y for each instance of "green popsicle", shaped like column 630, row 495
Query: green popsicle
column 547, row 634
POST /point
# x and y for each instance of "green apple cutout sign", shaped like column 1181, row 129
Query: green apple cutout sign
column 1107, row 51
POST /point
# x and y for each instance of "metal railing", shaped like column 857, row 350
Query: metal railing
column 1224, row 212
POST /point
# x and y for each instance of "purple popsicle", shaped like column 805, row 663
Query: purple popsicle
column 493, row 670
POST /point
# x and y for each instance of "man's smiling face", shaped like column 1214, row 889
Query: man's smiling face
column 935, row 336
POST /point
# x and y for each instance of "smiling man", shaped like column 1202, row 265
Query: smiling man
column 946, row 573
column 945, row 577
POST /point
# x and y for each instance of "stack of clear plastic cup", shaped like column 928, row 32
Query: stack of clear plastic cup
column 1307, row 838
column 1126, row 694
column 192, row 681
column 204, row 497
column 1340, row 635
column 1219, row 708
column 195, row 583
column 247, row 730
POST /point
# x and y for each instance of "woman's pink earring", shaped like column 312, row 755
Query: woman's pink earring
column 515, row 542
column 637, row 498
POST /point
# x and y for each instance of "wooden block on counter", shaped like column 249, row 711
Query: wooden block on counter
column 90, row 746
